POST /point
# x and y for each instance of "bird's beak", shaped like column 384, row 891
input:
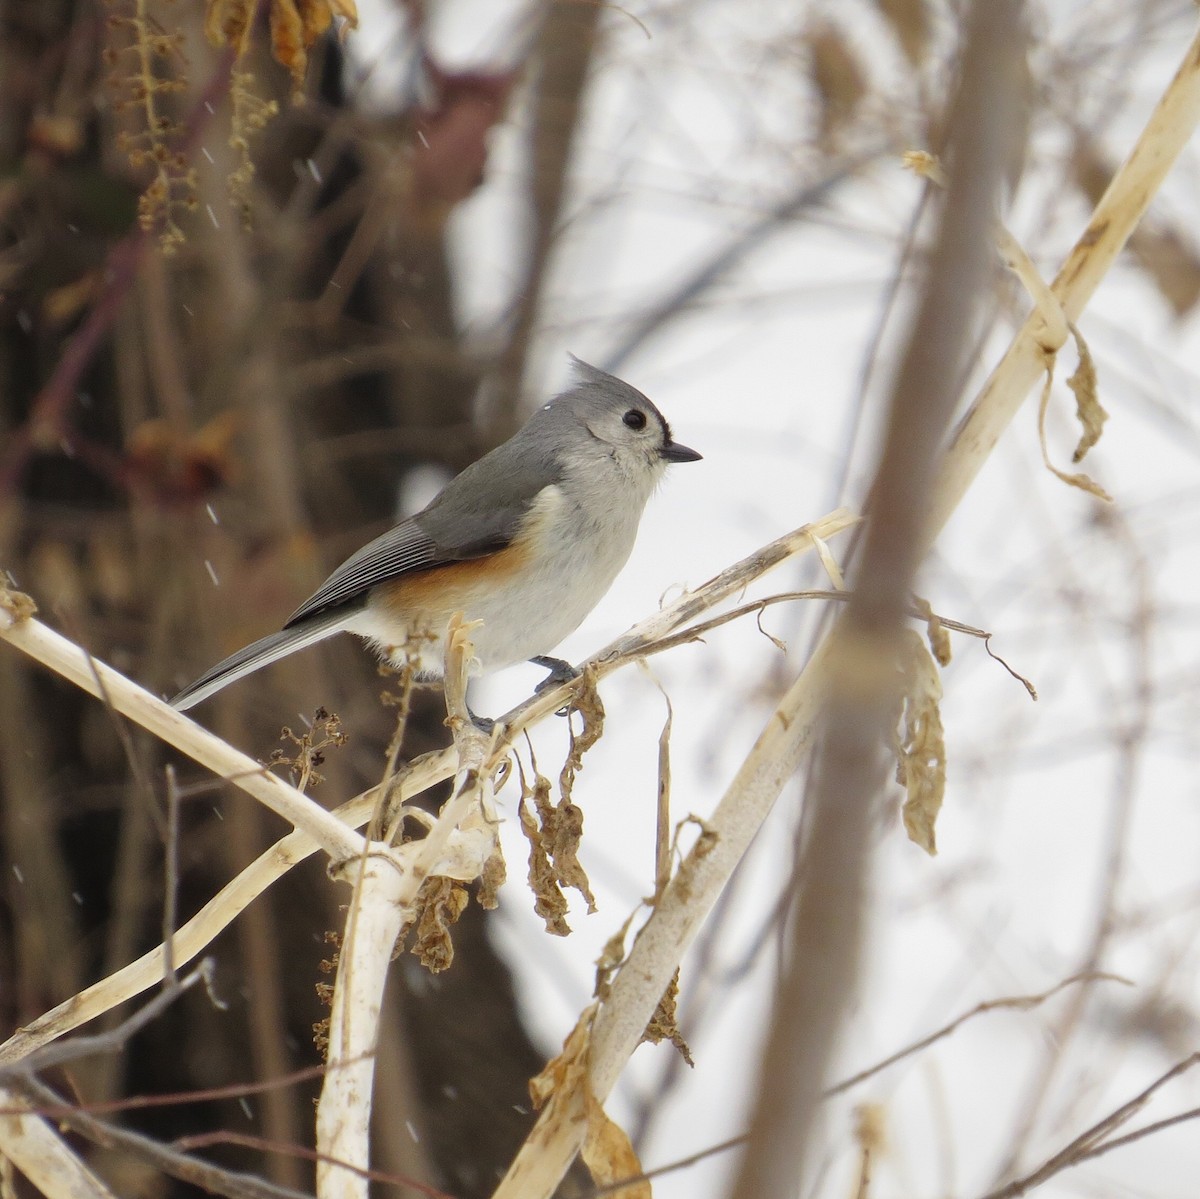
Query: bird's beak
column 672, row 451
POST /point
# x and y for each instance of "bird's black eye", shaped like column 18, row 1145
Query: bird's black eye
column 635, row 419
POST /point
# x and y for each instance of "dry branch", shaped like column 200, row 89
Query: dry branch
column 194, row 935
column 29, row 1142
column 153, row 714
column 387, row 887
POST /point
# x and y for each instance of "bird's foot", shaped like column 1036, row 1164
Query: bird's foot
column 484, row 723
column 560, row 671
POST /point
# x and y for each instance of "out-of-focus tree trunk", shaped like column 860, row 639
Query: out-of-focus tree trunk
column 244, row 421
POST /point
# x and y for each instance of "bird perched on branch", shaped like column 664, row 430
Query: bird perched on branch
column 527, row 540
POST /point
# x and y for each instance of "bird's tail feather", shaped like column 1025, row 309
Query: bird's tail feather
column 261, row 653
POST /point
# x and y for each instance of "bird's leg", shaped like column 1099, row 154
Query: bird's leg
column 560, row 671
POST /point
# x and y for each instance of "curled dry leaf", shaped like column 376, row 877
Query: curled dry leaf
column 1077, row 479
column 664, row 1024
column 548, row 900
column 491, row 880
column 1087, row 398
column 662, row 824
column 295, row 26
column 609, row 1155
column 564, row 1087
column 562, row 1075
column 909, row 20
column 554, row 833
column 15, row 606
column 837, row 77
column 610, row 959
column 921, row 743
column 926, row 165
column 440, row 903
column 228, row 22
column 938, row 634
column 590, row 708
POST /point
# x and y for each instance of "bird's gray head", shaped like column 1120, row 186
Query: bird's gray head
column 617, row 422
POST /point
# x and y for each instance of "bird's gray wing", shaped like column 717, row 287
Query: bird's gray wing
column 407, row 548
column 477, row 513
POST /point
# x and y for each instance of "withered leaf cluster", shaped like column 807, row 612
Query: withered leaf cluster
column 295, row 26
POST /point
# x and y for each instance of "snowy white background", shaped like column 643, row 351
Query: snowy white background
column 1064, row 820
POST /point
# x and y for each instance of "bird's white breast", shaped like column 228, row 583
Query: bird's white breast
column 570, row 549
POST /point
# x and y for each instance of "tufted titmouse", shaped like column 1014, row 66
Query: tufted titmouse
column 527, row 540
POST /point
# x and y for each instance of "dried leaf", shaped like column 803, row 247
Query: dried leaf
column 1080, row 480
column 921, row 743
column 837, row 77
column 564, row 1087
column 287, row 40
column 229, row 22
column 909, row 20
column 562, row 830
column 926, row 165
column 15, row 606
column 609, row 1156
column 564, row 1076
column 491, row 879
column 938, row 634
column 440, row 902
column 1087, row 401
column 587, row 703
column 548, row 900
column 664, row 1024
column 315, row 17
column 610, row 959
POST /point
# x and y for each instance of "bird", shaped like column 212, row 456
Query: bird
column 527, row 540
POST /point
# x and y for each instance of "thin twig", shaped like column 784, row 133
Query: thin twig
column 1018, row 1002
column 114, row 1039
column 202, row 1174
column 1091, row 1143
